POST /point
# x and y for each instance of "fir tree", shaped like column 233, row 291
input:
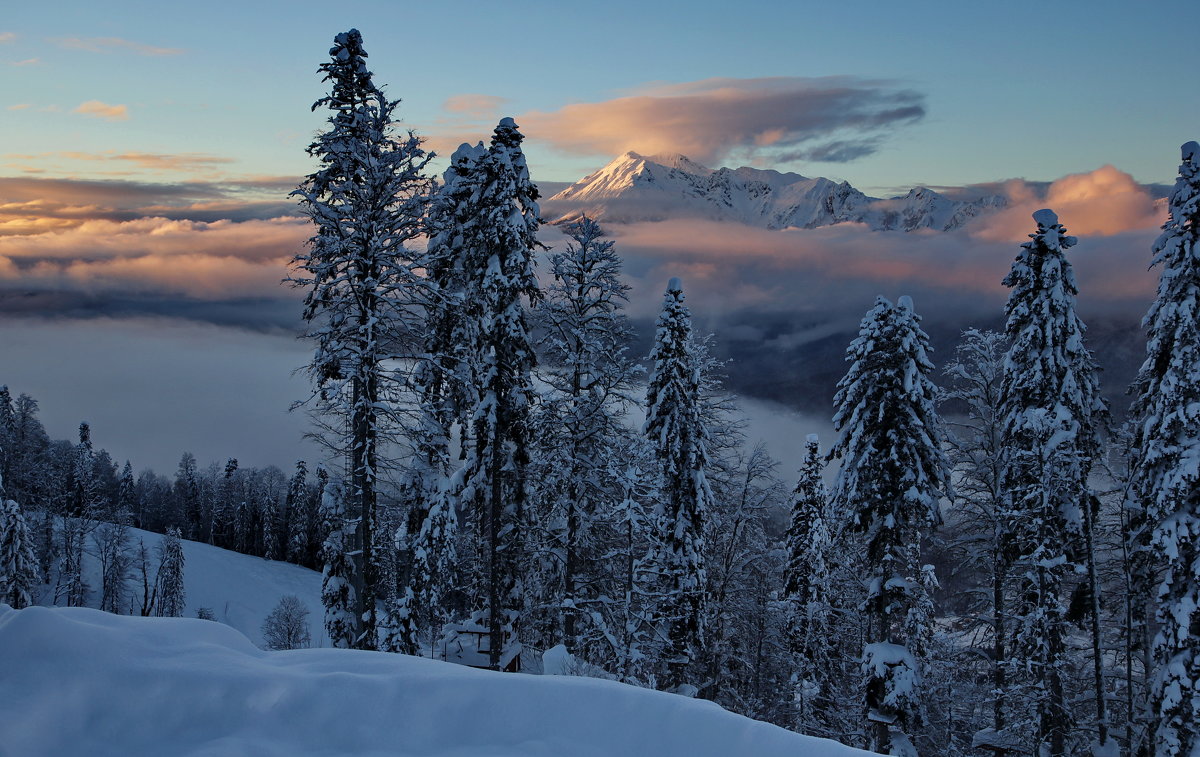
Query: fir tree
column 296, row 517
column 493, row 240
column 8, row 434
column 78, row 521
column 366, row 199
column 893, row 474
column 127, row 499
column 170, row 589
column 187, row 497
column 1167, row 481
column 229, row 498
column 337, row 589
column 678, row 437
column 807, row 585
column 1051, row 409
column 18, row 564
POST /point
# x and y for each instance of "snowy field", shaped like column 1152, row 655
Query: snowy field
column 241, row 590
column 80, row 681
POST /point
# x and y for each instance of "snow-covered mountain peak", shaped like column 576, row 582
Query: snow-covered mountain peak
column 635, row 187
column 676, row 160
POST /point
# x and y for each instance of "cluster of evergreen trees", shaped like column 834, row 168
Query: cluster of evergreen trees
column 75, row 503
column 494, row 474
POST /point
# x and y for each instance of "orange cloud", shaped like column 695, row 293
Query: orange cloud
column 93, row 239
column 6, row 37
column 26, row 62
column 790, row 118
column 104, row 111
column 1101, row 202
column 186, row 162
column 109, row 44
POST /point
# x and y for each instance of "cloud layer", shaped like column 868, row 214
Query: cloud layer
column 1097, row 203
column 833, row 119
column 783, row 303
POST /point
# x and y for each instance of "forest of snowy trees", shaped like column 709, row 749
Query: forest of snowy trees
column 984, row 561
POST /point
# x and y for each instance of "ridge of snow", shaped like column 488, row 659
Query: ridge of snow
column 81, row 681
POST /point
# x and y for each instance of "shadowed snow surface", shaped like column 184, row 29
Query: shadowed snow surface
column 80, row 681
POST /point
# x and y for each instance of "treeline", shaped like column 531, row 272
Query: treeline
column 257, row 511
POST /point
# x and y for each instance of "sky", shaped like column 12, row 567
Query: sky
column 149, row 148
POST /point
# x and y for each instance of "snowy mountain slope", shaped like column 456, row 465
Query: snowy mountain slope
column 241, row 590
column 79, row 681
column 635, row 188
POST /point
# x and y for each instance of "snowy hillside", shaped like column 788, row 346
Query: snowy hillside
column 241, row 590
column 635, row 187
column 79, row 681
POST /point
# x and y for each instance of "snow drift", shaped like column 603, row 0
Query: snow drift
column 80, row 681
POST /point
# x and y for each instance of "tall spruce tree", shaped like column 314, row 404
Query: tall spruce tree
column 678, row 437
column 337, row 589
column 1051, row 409
column 294, row 536
column 489, row 233
column 171, row 593
column 367, row 200
column 441, row 384
column 78, row 521
column 1167, row 482
column 19, row 574
column 892, row 476
column 808, row 579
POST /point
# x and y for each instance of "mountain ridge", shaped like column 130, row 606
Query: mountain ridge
column 633, row 188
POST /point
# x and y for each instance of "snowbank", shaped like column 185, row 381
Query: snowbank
column 80, row 681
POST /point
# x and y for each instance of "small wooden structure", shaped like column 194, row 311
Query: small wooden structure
column 470, row 644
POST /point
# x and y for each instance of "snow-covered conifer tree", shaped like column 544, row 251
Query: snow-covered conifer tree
column 488, row 234
column 171, row 594
column 337, row 589
column 808, row 581
column 893, row 474
column 224, row 516
column 77, row 523
column 186, row 493
column 127, row 499
column 367, row 199
column 1167, row 482
column 294, row 537
column 1051, row 411
column 19, row 574
column 8, row 433
column 678, row 437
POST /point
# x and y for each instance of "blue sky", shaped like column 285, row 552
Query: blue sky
column 1015, row 89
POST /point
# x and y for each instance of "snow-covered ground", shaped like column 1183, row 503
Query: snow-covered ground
column 80, row 681
column 241, row 590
